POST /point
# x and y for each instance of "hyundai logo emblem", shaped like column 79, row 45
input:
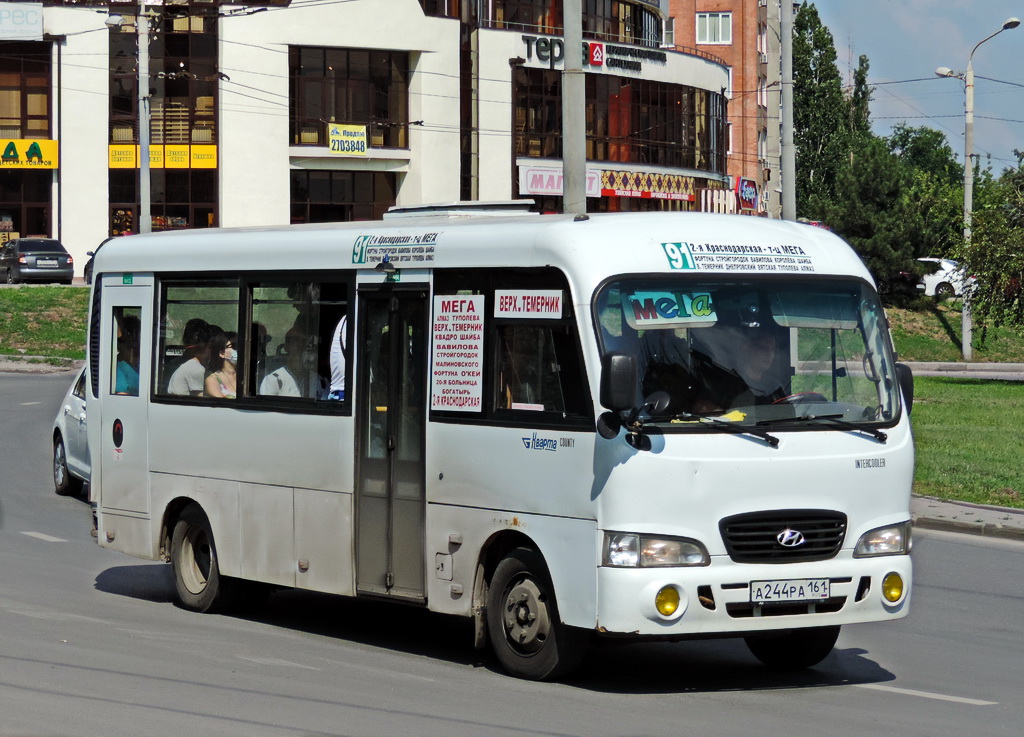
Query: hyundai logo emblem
column 791, row 538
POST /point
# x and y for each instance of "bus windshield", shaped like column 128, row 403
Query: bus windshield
column 754, row 351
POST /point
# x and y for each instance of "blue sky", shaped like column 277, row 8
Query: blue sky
column 908, row 39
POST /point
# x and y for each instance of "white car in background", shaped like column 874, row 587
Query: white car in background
column 71, row 462
column 944, row 280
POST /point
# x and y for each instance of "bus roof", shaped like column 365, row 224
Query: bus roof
column 591, row 248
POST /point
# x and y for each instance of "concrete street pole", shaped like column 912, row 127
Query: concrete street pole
column 145, row 115
column 574, row 130
column 788, row 149
column 967, row 327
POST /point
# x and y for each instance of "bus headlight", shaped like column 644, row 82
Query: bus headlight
column 629, row 550
column 889, row 540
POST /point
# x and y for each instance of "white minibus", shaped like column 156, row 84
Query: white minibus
column 644, row 426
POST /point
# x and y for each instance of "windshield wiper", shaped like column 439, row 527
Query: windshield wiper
column 835, row 419
column 728, row 427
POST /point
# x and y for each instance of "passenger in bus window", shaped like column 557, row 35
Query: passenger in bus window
column 338, row 351
column 189, row 377
column 222, row 380
column 127, row 379
column 298, row 377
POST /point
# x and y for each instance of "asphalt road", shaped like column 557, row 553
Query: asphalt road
column 91, row 644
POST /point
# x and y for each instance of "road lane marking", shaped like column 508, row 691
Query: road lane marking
column 927, row 694
column 29, row 404
column 45, row 538
column 276, row 661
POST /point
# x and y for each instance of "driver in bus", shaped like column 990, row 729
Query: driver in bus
column 737, row 366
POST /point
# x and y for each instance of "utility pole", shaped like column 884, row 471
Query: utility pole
column 145, row 115
column 788, row 151
column 574, row 129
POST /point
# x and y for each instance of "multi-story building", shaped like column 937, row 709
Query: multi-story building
column 276, row 112
column 745, row 33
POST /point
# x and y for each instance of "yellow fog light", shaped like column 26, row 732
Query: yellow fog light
column 667, row 601
column 892, row 587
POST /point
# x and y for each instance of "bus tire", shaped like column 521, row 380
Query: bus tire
column 796, row 649
column 525, row 631
column 197, row 579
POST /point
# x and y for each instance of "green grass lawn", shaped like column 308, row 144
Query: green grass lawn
column 43, row 321
column 967, row 436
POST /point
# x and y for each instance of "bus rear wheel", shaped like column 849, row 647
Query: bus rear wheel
column 523, row 625
column 795, row 649
column 197, row 578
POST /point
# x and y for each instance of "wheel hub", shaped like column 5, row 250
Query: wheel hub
column 526, row 618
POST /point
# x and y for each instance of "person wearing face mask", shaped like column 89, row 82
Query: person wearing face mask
column 222, row 376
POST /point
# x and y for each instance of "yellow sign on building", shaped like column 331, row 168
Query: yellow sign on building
column 28, row 153
column 121, row 156
column 347, row 140
column 204, row 157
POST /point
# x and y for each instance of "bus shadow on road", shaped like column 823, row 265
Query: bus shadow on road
column 149, row 582
column 709, row 666
column 698, row 666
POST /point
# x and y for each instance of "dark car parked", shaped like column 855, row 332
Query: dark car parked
column 36, row 259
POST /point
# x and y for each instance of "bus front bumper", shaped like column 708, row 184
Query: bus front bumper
column 726, row 598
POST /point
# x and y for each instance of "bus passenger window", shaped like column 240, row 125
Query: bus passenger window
column 299, row 338
column 125, row 349
column 194, row 315
column 539, row 370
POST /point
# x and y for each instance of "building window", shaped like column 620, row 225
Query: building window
column 441, row 8
column 319, row 196
column 618, row 21
column 183, row 79
column 184, row 82
column 353, row 86
column 627, row 120
column 25, row 90
column 714, row 28
column 180, row 198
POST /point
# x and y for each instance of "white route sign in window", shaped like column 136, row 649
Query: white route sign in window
column 535, row 303
column 457, row 361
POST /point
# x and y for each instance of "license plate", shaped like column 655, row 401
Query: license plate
column 46, row 262
column 798, row 589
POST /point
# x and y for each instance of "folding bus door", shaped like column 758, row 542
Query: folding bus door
column 391, row 406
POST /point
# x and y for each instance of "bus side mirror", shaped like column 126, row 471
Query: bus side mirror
column 905, row 377
column 618, row 381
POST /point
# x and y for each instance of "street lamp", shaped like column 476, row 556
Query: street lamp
column 968, row 78
column 145, row 115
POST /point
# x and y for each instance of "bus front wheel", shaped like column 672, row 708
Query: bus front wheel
column 795, row 649
column 523, row 625
column 197, row 578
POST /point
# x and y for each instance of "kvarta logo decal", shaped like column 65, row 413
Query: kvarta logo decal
column 535, row 442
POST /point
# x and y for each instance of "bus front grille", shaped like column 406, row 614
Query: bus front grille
column 783, row 536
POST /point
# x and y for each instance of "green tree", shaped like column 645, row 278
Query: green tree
column 820, row 113
column 859, row 103
column 995, row 254
column 927, row 150
column 873, row 210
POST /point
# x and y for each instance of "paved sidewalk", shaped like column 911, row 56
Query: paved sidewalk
column 978, row 519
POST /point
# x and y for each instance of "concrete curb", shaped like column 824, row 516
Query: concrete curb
column 959, row 366
column 976, row 519
column 39, row 365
